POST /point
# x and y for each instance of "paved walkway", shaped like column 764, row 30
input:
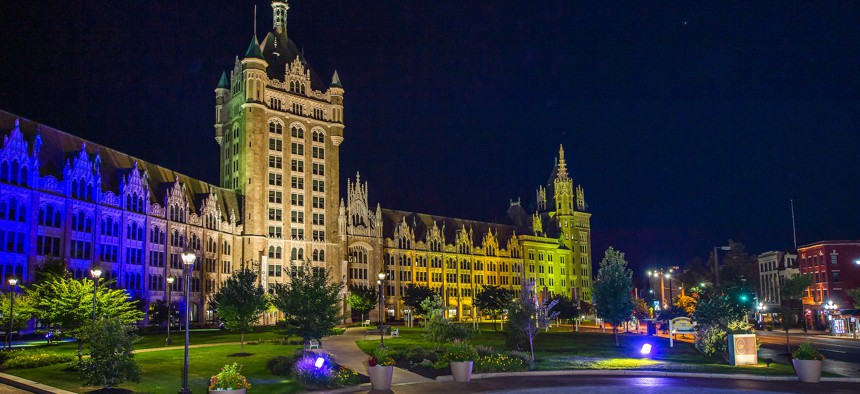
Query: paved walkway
column 345, row 352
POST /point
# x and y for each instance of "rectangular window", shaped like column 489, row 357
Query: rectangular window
column 318, row 185
column 297, row 217
column 297, row 148
column 297, row 234
column 276, row 144
column 319, row 202
column 274, row 197
column 275, row 179
column 298, row 183
column 319, row 219
column 318, row 152
column 297, row 165
column 275, row 214
column 318, row 169
column 297, row 200
column 275, row 232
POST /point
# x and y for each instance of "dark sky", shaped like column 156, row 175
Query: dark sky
column 686, row 124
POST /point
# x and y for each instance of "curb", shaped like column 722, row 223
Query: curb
column 29, row 385
column 596, row 372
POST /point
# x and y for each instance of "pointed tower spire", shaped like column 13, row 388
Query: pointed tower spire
column 562, row 166
column 223, row 83
column 335, row 80
column 279, row 15
column 254, row 49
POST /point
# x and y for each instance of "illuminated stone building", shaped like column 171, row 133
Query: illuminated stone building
column 279, row 129
column 456, row 257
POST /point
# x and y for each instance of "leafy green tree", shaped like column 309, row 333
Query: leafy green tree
column 414, row 295
column 613, row 288
column 23, row 310
column 111, row 359
column 719, row 314
column 493, row 300
column 159, row 310
column 68, row 303
column 437, row 327
column 362, row 299
column 640, row 309
column 53, row 267
column 526, row 317
column 310, row 302
column 686, row 303
column 240, row 302
column 791, row 292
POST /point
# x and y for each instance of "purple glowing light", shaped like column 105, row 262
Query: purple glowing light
column 646, row 349
column 319, row 362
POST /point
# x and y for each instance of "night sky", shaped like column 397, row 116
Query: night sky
column 687, row 125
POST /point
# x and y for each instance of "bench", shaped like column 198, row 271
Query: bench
column 376, row 331
column 395, row 333
column 313, row 343
column 365, row 323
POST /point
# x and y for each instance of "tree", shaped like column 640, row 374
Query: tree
column 640, row 309
column 24, row 310
column 791, row 292
column 565, row 307
column 159, row 311
column 493, row 300
column 738, row 268
column 111, row 359
column 526, row 317
column 613, row 290
column 686, row 303
column 310, row 302
column 414, row 295
column 362, row 299
column 437, row 325
column 240, row 302
column 53, row 267
column 68, row 303
column 855, row 295
column 719, row 314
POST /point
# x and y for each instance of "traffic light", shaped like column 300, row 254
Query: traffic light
column 744, row 298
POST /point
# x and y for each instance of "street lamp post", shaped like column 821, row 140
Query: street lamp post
column 717, row 263
column 96, row 272
column 188, row 257
column 662, row 276
column 381, row 281
column 170, row 280
column 12, row 282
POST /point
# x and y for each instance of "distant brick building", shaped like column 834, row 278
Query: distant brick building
column 833, row 267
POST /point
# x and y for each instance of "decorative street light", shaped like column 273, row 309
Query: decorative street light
column 380, row 282
column 12, row 282
column 760, row 307
column 717, row 264
column 662, row 275
column 170, row 280
column 96, row 272
column 188, row 257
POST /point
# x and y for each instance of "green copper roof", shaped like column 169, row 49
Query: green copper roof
column 222, row 83
column 254, row 49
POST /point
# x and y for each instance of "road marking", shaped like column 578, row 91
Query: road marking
column 833, row 351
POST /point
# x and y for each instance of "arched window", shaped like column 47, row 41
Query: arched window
column 278, row 252
column 4, row 171
column 316, row 255
column 293, row 254
column 322, row 255
column 271, row 252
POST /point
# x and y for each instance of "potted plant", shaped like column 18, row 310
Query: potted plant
column 380, row 369
column 807, row 362
column 229, row 381
column 461, row 356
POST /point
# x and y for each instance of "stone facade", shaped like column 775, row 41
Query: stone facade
column 773, row 268
column 279, row 129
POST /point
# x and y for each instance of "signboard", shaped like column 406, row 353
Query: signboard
column 679, row 325
column 742, row 349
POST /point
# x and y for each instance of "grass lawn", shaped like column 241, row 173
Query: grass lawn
column 162, row 370
column 559, row 350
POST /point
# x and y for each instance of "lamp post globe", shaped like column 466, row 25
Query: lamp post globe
column 96, row 272
column 188, row 257
column 12, row 282
column 169, row 302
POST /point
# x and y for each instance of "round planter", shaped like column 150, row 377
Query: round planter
column 808, row 371
column 219, row 391
column 380, row 376
column 462, row 370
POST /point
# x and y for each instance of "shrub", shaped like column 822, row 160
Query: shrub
column 33, row 359
column 432, row 356
column 280, row 365
column 229, row 378
column 380, row 356
column 499, row 363
column 485, row 350
column 345, row 377
column 310, row 376
column 415, row 354
column 460, row 351
column 525, row 357
column 807, row 351
column 459, row 331
column 515, row 339
column 111, row 359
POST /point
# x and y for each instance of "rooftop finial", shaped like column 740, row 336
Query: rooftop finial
column 562, row 166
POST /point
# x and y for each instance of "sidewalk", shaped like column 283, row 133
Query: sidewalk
column 345, row 352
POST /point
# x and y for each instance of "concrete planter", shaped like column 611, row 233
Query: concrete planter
column 219, row 391
column 462, row 370
column 380, row 376
column 808, row 371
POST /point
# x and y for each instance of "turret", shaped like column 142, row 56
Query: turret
column 279, row 15
column 563, row 187
column 222, row 95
